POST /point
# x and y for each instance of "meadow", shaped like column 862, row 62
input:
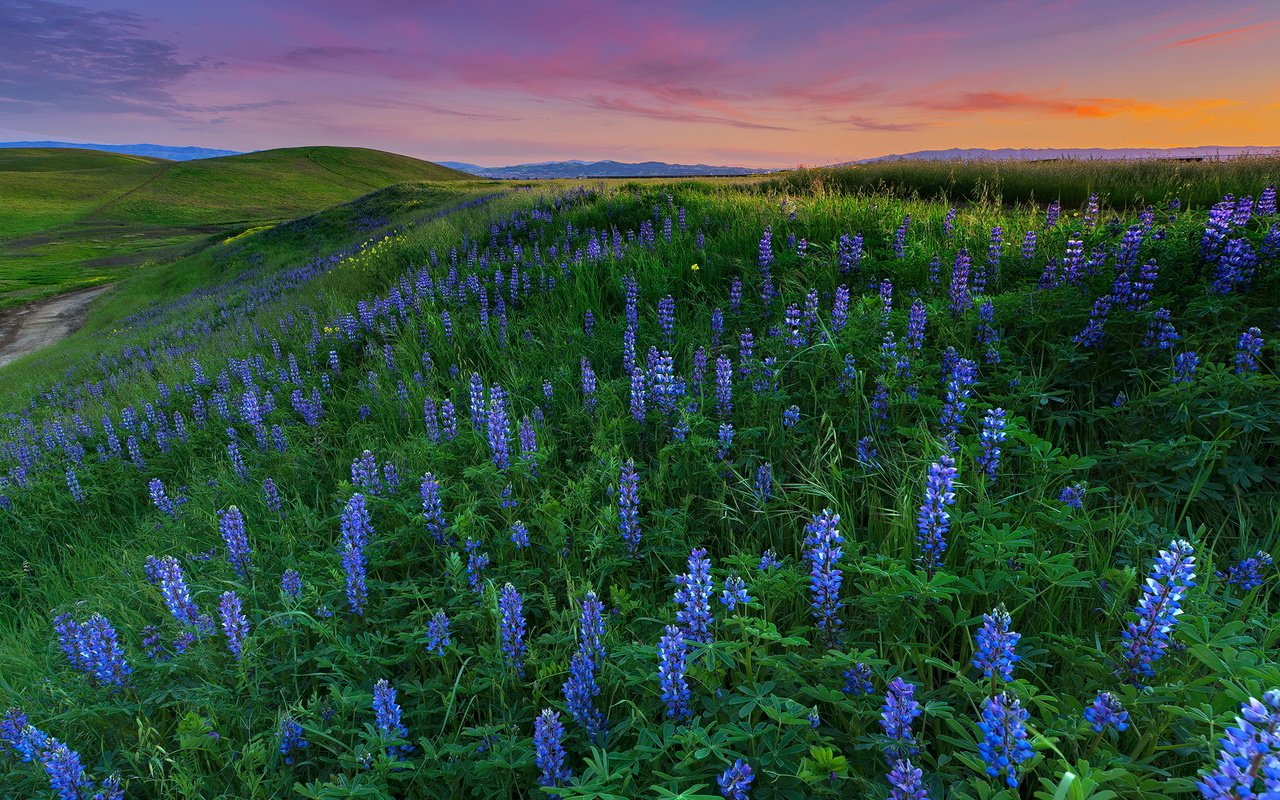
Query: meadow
column 75, row 218
column 789, row 488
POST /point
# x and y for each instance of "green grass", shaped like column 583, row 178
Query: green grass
column 76, row 218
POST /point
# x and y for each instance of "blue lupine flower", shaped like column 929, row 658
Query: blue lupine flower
column 73, row 485
column 960, row 381
column 824, row 547
column 589, row 399
column 1051, row 214
column 949, row 222
column 387, row 716
column 356, row 530
column 917, row 320
column 167, row 573
column 365, row 474
column 629, row 506
column 1106, row 712
column 1029, row 246
column 548, row 749
column 581, row 688
column 1248, row 351
column 499, row 427
column 735, row 592
column 93, row 647
column 291, row 738
column 790, row 416
column 765, row 261
column 1147, row 637
column 672, row 651
column 724, row 387
column 231, row 525
column 857, row 680
column 995, row 654
column 667, row 319
column 66, row 774
column 1249, row 758
column 934, row 521
column 1004, row 744
column 433, row 509
column 477, row 563
column 725, row 436
column 694, row 597
column 1184, row 367
column 512, row 628
column 1247, row 575
column 160, row 498
column 867, row 454
column 906, row 781
column 234, row 623
column 519, row 534
column 639, row 394
column 271, row 496
column 1092, row 209
column 1073, row 496
column 1160, row 332
column 735, row 782
column 764, row 483
column 438, row 635
column 897, row 715
column 900, row 237
column 961, row 294
column 479, row 417
column 1092, row 334
column 990, row 438
column 769, row 560
column 291, row 584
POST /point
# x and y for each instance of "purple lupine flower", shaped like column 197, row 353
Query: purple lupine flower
column 499, row 426
column 735, row 296
column 291, row 584
column 765, row 262
column 271, row 496
column 674, row 686
column 1073, row 496
column 365, row 474
column 900, row 237
column 629, row 507
column 93, row 647
column 1106, row 712
column 725, row 436
column 1248, row 351
column 1029, row 246
column 886, row 301
column 73, row 485
column 1235, row 267
column 438, row 634
column 897, row 715
column 664, row 387
column 1073, row 261
column 735, row 782
column 790, row 416
column 735, row 592
column 548, row 749
column 588, row 323
column 512, row 628
column 764, row 483
column 231, row 525
column 291, row 738
column 867, row 454
column 1184, row 367
column 527, row 437
column 1160, row 332
column 768, row 560
column 66, row 774
column 1004, row 744
column 961, row 296
column 824, row 546
column 963, row 375
column 987, row 333
column 448, row 421
column 724, row 387
column 917, row 319
column 795, row 333
column 639, row 391
column 433, row 509
column 477, row 563
column 934, row 521
column 1147, row 637
column 237, row 459
column 949, row 222
column 857, row 680
column 694, row 597
column 906, row 781
column 1249, row 756
column 167, row 573
column 849, row 253
column 356, row 529
column 880, row 405
column 1092, row 334
column 387, row 717
column 1248, row 574
column 667, row 319
column 519, row 534
column 1143, row 285
column 479, row 418
column 581, row 688
column 1092, row 210
column 234, row 623
column 990, row 438
column 160, row 498
column 994, row 654
column 1266, row 206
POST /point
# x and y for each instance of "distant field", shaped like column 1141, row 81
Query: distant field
column 72, row 218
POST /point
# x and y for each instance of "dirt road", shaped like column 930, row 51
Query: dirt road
column 28, row 328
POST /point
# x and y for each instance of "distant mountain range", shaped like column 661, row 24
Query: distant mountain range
column 1047, row 153
column 149, row 150
column 598, row 169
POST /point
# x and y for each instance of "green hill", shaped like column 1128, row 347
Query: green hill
column 78, row 217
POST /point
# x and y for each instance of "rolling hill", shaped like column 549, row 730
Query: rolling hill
column 599, row 169
column 161, row 151
column 80, row 217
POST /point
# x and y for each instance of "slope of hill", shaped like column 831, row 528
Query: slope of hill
column 599, row 169
column 162, row 151
column 80, row 217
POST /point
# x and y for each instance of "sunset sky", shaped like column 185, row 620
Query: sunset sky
column 734, row 82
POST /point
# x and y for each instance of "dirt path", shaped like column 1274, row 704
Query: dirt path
column 28, row 328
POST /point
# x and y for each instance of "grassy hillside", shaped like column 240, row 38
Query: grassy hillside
column 610, row 492
column 75, row 218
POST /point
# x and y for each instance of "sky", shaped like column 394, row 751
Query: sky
column 738, row 82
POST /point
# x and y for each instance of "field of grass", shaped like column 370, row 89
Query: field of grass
column 635, row 491
column 76, row 218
